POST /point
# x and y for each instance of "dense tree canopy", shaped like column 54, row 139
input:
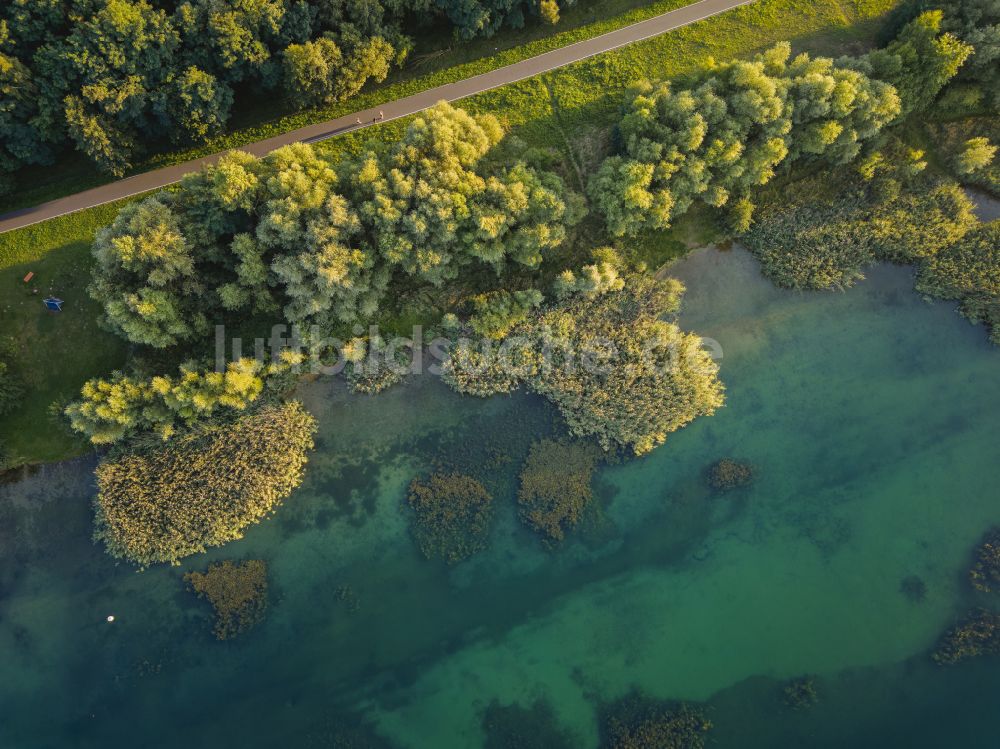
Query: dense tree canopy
column 977, row 23
column 918, row 62
column 319, row 240
column 109, row 77
column 730, row 131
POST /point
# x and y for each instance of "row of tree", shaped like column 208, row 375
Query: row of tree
column 109, row 76
column 715, row 141
column 320, row 241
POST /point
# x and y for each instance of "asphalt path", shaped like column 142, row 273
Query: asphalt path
column 408, row 105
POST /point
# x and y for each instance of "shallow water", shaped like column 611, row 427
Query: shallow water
column 870, row 415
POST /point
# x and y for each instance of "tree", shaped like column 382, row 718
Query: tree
column 976, row 154
column 99, row 78
column 203, row 489
column 728, row 133
column 21, row 140
column 918, row 62
column 194, row 105
column 110, row 410
column 145, row 277
column 427, row 209
column 977, row 23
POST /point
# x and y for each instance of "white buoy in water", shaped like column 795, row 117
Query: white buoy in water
column 111, row 617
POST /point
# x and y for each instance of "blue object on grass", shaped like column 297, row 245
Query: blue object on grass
column 53, row 304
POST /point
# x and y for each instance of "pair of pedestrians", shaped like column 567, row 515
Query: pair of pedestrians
column 378, row 118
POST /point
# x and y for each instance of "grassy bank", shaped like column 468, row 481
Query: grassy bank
column 569, row 111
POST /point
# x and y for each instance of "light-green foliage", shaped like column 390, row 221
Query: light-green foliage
column 593, row 279
column 584, row 101
column 320, row 240
column 657, row 380
column 122, row 405
column 919, row 62
column 616, row 370
column 145, row 277
column 822, row 233
column 430, row 208
column 318, row 72
column 202, row 489
column 976, row 155
column 497, row 313
column 969, row 271
column 729, row 132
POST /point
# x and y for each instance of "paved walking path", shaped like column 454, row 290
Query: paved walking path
column 391, row 110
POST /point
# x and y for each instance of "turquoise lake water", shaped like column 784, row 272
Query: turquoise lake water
column 871, row 417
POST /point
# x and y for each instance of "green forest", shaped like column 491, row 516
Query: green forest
column 109, row 77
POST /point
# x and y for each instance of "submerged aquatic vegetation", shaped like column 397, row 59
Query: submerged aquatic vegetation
column 977, row 634
column 555, row 486
column 800, row 693
column 517, row 727
column 452, row 516
column 203, row 489
column 985, row 572
column 237, row 592
column 639, row 723
column 914, row 588
column 729, row 474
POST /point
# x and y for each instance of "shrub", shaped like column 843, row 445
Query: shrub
column 800, row 693
column 614, row 368
column 555, row 486
column 729, row 474
column 452, row 516
column 237, row 592
column 638, row 723
column 976, row 154
column 978, row 634
column 968, row 271
column 638, row 377
column 112, row 409
column 985, row 572
column 805, row 243
column 202, row 489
